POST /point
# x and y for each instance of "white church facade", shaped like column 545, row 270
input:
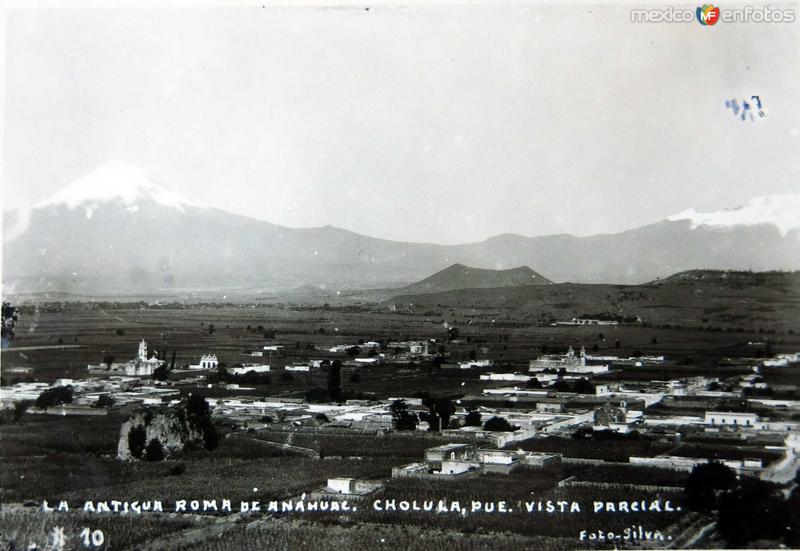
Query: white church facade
column 207, row 361
column 142, row 366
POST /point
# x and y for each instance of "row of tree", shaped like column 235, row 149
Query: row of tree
column 438, row 417
column 746, row 509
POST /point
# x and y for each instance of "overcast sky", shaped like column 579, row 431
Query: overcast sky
column 441, row 124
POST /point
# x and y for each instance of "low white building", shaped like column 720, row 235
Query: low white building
column 471, row 364
column 731, row 419
column 341, row 485
column 782, row 360
column 298, row 367
column 248, row 368
column 456, row 467
column 414, row 348
column 515, row 377
column 587, row 321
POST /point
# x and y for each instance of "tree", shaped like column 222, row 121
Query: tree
column 210, row 434
column 197, row 405
column 498, row 424
column 211, row 328
column 452, row 333
column 54, row 397
column 335, row 381
column 440, row 410
column 161, row 373
column 473, row 418
column 10, row 316
column 444, row 409
column 316, row 394
column 563, row 386
column 20, row 408
column 355, row 378
column 353, row 351
column 583, row 386
column 755, row 510
column 403, row 419
column 198, row 412
column 154, row 450
column 286, row 377
column 793, row 523
column 108, row 359
column 137, row 440
column 704, row 484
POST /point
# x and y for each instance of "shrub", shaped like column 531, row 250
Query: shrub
column 54, row 397
column 473, row 419
column 104, row 401
column 177, row 469
column 286, row 377
column 498, row 424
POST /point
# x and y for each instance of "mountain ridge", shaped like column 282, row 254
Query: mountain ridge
column 170, row 244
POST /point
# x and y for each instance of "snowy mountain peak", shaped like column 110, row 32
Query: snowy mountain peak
column 115, row 182
column 782, row 211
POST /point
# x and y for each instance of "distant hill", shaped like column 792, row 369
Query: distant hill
column 734, row 278
column 459, row 276
column 712, row 299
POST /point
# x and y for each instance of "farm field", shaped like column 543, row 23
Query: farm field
column 99, row 330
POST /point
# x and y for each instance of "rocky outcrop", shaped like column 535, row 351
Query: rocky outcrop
column 154, row 435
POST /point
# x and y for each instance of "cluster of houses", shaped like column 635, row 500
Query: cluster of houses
column 656, row 406
column 467, row 459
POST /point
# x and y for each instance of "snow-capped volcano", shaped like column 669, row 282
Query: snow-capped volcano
column 782, row 211
column 115, row 183
column 115, row 232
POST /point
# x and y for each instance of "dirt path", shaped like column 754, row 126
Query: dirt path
column 308, row 452
column 43, row 347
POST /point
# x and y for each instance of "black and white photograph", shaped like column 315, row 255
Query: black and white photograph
column 427, row 275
